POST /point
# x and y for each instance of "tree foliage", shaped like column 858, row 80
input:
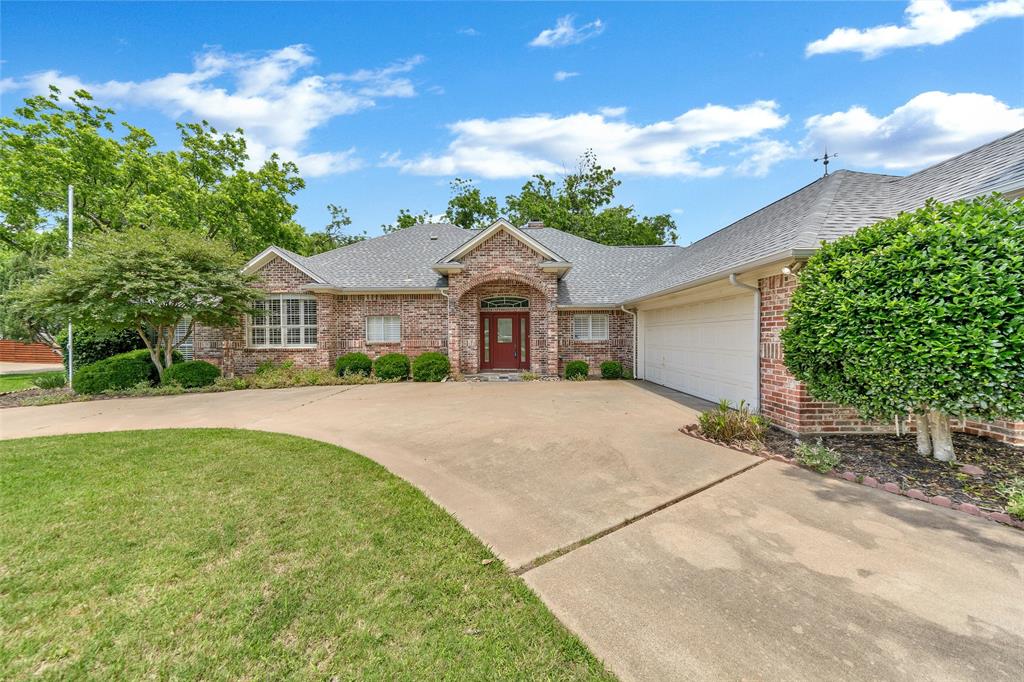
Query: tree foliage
column 405, row 219
column 581, row 204
column 334, row 235
column 921, row 314
column 121, row 180
column 142, row 279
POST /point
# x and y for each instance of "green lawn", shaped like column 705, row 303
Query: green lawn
column 225, row 554
column 16, row 382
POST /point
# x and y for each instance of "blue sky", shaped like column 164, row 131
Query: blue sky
column 710, row 111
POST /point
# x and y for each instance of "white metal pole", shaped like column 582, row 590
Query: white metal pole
column 71, row 241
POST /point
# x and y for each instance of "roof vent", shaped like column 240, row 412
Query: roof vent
column 433, row 237
column 535, row 224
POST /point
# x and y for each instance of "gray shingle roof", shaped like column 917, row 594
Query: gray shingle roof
column 826, row 209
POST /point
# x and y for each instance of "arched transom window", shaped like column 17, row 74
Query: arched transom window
column 492, row 302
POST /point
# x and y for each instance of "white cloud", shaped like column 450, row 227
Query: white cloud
column 542, row 143
column 929, row 128
column 565, row 75
column 613, row 112
column 929, row 22
column 271, row 96
column 468, row 31
column 678, row 211
column 566, row 32
column 761, row 155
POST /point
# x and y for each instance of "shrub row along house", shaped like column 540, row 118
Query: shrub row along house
column 703, row 319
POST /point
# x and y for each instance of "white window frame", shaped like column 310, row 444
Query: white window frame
column 283, row 326
column 384, row 329
column 583, row 327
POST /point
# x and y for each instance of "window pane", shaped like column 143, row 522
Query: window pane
column 581, row 327
column 274, row 336
column 599, row 327
column 259, row 316
column 392, row 328
column 274, row 306
column 487, row 339
column 310, row 335
column 504, row 330
column 310, row 313
column 522, row 339
column 292, row 311
column 259, row 336
column 294, row 335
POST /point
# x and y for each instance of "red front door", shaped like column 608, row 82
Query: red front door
column 504, row 340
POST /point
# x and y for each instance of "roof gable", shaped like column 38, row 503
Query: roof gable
column 293, row 259
column 500, row 225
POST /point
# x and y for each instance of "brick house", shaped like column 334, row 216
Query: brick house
column 703, row 319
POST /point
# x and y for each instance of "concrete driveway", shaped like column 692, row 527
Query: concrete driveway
column 734, row 567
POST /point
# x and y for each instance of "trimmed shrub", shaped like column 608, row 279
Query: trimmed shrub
column 819, row 457
column 392, row 367
column 91, row 346
column 191, row 374
column 611, row 370
column 1014, row 493
column 576, row 370
column 118, row 373
column 728, row 425
column 431, row 367
column 354, row 363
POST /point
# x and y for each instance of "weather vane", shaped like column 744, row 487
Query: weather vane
column 825, row 159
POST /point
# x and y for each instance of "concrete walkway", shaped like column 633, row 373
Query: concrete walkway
column 751, row 570
column 29, row 367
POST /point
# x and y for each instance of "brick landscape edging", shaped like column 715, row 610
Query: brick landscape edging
column 871, row 482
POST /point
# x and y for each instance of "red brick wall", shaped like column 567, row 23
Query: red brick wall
column 503, row 265
column 619, row 345
column 786, row 402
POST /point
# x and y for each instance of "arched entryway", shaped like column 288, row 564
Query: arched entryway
column 504, row 333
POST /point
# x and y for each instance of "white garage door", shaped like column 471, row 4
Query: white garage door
column 704, row 349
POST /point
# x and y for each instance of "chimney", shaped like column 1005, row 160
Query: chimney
column 534, row 224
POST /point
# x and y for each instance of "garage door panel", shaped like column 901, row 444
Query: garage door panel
column 706, row 349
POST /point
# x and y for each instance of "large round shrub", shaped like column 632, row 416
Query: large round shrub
column 431, row 367
column 391, row 366
column 611, row 369
column 191, row 374
column 576, row 369
column 354, row 363
column 118, row 372
column 922, row 314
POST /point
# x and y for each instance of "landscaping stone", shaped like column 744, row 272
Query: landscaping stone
column 941, row 501
column 870, row 482
column 850, row 476
column 968, row 508
column 917, row 495
column 891, row 488
column 972, row 470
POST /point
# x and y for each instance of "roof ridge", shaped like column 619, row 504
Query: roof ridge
column 962, row 154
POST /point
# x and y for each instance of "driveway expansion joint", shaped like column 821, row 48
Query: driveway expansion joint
column 562, row 551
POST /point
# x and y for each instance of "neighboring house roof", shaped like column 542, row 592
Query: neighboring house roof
column 600, row 275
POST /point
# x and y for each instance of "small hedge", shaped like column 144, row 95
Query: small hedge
column 431, row 367
column 391, row 367
column 611, row 369
column 576, row 369
column 354, row 363
column 117, row 373
column 192, row 374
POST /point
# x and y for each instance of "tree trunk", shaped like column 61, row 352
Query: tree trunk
column 154, row 352
column 942, row 439
column 924, row 436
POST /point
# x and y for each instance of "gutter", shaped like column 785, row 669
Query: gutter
column 797, row 253
column 757, row 334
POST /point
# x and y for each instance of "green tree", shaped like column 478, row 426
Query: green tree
column 921, row 314
column 123, row 181
column 582, row 204
column 468, row 208
column 146, row 279
column 406, row 219
column 334, row 234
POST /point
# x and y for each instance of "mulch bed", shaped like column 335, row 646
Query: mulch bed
column 894, row 459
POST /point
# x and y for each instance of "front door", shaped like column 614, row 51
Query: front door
column 505, row 340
